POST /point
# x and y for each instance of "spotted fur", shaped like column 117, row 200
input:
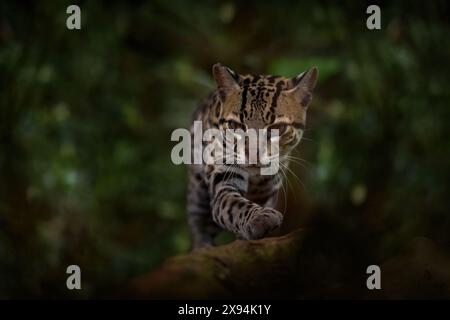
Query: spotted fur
column 238, row 198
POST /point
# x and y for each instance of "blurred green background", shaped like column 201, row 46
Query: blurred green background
column 86, row 118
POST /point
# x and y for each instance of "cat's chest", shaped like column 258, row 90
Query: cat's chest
column 259, row 185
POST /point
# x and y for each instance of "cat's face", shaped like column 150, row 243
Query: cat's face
column 266, row 102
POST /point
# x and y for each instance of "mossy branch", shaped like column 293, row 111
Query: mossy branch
column 302, row 264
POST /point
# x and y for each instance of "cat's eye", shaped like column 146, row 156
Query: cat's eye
column 281, row 127
column 234, row 125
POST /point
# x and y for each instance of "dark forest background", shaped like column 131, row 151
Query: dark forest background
column 86, row 118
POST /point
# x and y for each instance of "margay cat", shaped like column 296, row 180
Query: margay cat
column 239, row 198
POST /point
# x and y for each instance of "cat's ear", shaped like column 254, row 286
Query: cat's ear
column 306, row 80
column 304, row 84
column 225, row 77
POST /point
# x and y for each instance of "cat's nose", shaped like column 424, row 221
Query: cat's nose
column 251, row 155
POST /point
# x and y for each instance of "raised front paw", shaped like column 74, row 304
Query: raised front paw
column 263, row 222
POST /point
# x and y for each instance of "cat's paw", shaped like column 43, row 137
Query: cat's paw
column 263, row 222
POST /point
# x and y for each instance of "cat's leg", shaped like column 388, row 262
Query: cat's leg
column 232, row 211
column 203, row 228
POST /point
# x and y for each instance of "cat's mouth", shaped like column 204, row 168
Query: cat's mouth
column 251, row 168
column 257, row 166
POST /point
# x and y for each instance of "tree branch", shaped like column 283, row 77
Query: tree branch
column 302, row 264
